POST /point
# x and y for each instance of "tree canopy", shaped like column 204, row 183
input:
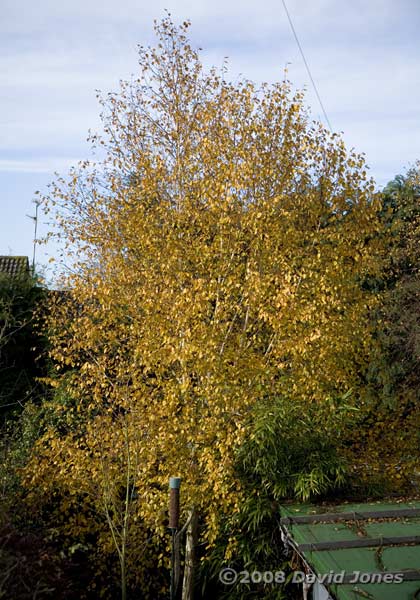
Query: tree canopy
column 218, row 254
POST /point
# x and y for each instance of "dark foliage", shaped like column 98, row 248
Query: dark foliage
column 21, row 344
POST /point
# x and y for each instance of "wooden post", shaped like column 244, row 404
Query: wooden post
column 190, row 545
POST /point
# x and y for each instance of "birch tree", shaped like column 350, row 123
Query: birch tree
column 217, row 251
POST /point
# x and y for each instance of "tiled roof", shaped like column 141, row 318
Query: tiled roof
column 15, row 266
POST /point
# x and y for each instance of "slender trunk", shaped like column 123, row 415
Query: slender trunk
column 190, row 545
column 123, row 580
column 126, row 517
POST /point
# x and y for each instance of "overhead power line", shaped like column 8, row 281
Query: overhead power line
column 307, row 66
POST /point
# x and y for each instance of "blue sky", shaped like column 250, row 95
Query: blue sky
column 364, row 57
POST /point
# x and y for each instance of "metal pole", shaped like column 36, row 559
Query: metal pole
column 174, row 487
column 35, row 234
column 35, row 241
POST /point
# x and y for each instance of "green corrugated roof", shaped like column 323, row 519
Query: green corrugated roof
column 388, row 551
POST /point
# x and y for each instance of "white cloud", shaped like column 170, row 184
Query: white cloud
column 44, row 165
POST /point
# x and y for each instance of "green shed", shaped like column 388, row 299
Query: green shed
column 355, row 551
